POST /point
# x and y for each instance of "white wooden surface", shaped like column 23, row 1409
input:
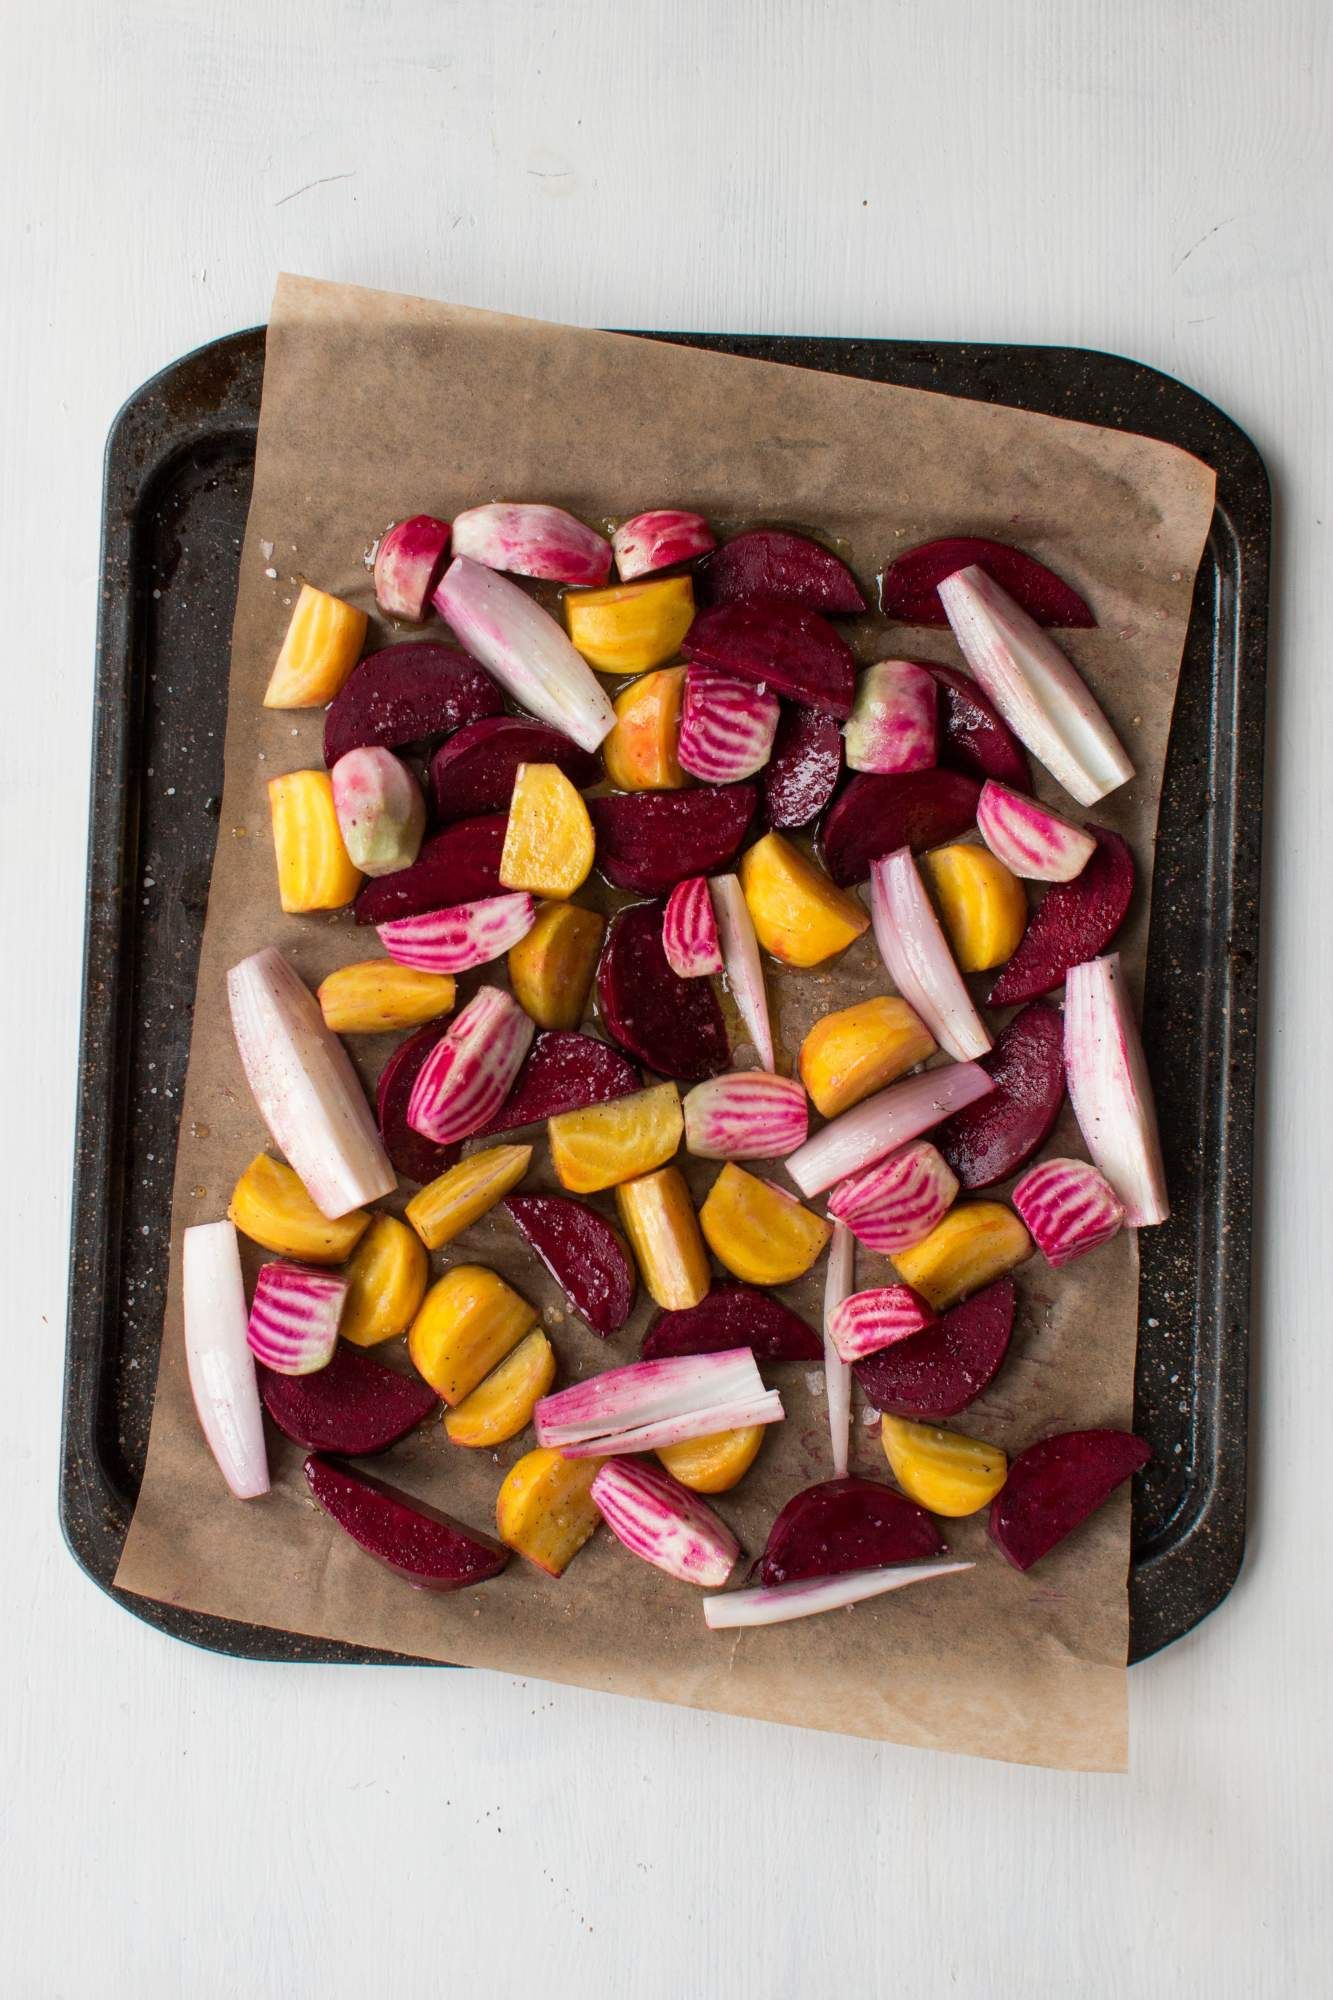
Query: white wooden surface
column 1151, row 177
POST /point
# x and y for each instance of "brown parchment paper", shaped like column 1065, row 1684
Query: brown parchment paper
column 377, row 406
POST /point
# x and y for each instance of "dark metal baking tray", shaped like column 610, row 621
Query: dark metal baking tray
column 179, row 465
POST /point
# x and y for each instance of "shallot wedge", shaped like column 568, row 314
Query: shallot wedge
column 456, row 940
column 1111, row 1091
column 471, row 1069
column 530, row 539
column 647, row 1392
column 897, row 1202
column 294, row 1317
column 658, row 1519
column 865, row 1322
column 1037, row 690
column 305, row 1087
column 741, row 962
column 727, row 727
column 408, row 562
column 220, row 1364
column 849, row 1144
column 776, row 1604
column 1030, row 839
column 1069, row 1209
column 689, row 930
column 658, row 540
column 908, row 590
column 525, row 650
column 749, row 1115
column 765, row 1409
column 893, row 721
column 839, row 1279
column 920, row 963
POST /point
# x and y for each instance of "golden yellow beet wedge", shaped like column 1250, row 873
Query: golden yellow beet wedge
column 386, row 1282
column 976, row 1243
column 983, row 906
column 323, row 644
column 799, row 913
column 759, row 1231
column 716, row 1463
column 468, row 1321
column 605, row 1144
column 270, row 1206
column 460, row 1196
column 640, row 752
column 501, row 1406
column 658, row 1217
column 544, row 1510
column 857, row 1050
column 629, row 627
column 375, row 996
column 549, row 845
column 943, row 1471
column 315, row 871
column 551, row 969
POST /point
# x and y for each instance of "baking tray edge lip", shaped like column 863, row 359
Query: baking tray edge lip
column 117, row 524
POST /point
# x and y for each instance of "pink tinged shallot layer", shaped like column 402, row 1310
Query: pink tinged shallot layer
column 746, row 1115
column 839, row 1278
column 893, row 725
column 460, row 938
column 741, row 963
column 915, row 950
column 1037, row 690
column 727, row 727
column 470, row 1071
column 1030, row 839
column 650, row 1404
column 866, row 1322
column 294, row 1317
column 305, row 1087
column 897, row 1202
column 860, row 1137
column 1069, row 1209
column 221, row 1366
column 532, row 539
column 776, row 1604
column 689, row 930
column 1110, row 1089
column 658, row 540
column 407, row 562
column 523, row 648
column 661, row 1521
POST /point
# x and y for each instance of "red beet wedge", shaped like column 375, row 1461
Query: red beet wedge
column 563, row 1071
column 992, row 1138
column 909, row 589
column 673, row 1025
column 1074, row 921
column 649, row 841
column 459, row 864
column 415, row 1158
column 582, row 1252
column 354, row 1406
column 799, row 778
column 427, row 1548
column 773, row 562
column 974, row 737
column 938, row 1373
column 846, row 1524
column 793, row 652
column 734, row 1316
column 1055, row 1485
column 877, row 814
column 474, row 771
column 405, row 694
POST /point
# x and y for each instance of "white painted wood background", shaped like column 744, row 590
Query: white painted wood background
column 1151, row 176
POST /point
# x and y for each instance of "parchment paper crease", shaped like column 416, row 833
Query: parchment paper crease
column 377, row 406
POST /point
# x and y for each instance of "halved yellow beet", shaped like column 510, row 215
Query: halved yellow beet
column 544, row 1510
column 857, row 1050
column 759, row 1231
column 271, row 1207
column 943, row 1471
column 640, row 753
column 502, row 1405
column 323, row 644
column 462, row 1194
column 605, row 1144
column 551, row 969
column 799, row 914
column 386, row 1282
column 469, row 1321
column 375, row 996
column 630, row 627
column 658, row 1217
column 716, row 1463
column 976, row 1243
column 983, row 906
column 315, row 871
column 548, row 847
